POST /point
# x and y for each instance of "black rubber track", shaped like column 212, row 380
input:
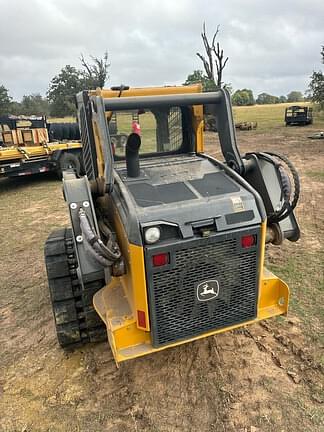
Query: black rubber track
column 75, row 318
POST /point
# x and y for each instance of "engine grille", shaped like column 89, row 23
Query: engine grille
column 175, row 311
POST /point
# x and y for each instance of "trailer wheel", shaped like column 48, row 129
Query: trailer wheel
column 55, row 132
column 68, row 161
column 75, row 132
column 76, row 320
column 65, row 131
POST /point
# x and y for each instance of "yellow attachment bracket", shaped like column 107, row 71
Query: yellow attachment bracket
column 113, row 307
column 274, row 298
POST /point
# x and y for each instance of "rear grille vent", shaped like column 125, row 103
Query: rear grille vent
column 230, row 272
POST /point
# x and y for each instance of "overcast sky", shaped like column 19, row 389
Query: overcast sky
column 273, row 46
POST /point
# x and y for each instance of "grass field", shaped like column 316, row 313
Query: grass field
column 148, row 131
column 270, row 116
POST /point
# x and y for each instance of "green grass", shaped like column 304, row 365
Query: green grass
column 267, row 116
column 271, row 116
column 316, row 175
column 305, row 274
column 148, row 132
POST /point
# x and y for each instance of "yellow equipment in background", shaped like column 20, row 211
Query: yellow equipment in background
column 29, row 145
column 167, row 243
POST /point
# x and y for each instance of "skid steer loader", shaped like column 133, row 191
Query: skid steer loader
column 166, row 243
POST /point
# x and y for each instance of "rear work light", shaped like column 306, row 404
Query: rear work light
column 161, row 259
column 248, row 241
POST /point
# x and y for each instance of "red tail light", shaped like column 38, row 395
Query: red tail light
column 248, row 241
column 161, row 259
column 141, row 318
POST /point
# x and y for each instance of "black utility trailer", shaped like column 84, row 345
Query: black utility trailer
column 298, row 115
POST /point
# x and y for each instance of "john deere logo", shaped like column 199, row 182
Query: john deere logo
column 207, row 290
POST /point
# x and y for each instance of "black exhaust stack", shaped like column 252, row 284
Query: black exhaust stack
column 132, row 157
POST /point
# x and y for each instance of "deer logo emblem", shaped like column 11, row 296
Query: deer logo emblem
column 207, row 290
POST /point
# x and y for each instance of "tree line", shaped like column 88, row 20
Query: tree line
column 243, row 96
column 60, row 96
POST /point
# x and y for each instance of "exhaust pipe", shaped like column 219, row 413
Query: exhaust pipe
column 132, row 157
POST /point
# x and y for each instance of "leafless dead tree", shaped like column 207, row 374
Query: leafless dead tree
column 214, row 56
column 96, row 73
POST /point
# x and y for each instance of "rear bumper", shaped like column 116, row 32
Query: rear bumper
column 127, row 341
column 22, row 168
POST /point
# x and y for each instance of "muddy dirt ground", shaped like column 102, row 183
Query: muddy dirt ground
column 266, row 377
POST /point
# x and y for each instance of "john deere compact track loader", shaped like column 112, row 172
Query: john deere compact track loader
column 166, row 243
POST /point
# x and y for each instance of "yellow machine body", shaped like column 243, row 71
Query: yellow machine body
column 119, row 302
column 123, row 303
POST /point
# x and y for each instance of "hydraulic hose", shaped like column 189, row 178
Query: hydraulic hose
column 106, row 255
column 288, row 203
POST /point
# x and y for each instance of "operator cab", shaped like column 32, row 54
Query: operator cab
column 167, row 181
column 167, row 172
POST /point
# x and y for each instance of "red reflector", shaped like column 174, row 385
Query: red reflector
column 161, row 259
column 141, row 319
column 248, row 241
